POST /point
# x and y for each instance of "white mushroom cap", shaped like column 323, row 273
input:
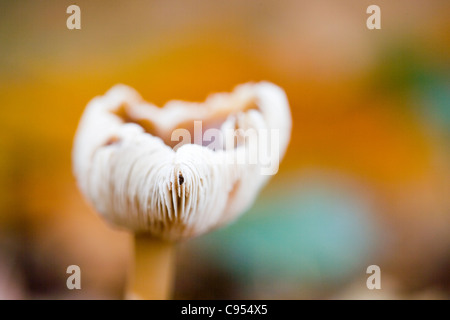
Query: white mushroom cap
column 125, row 164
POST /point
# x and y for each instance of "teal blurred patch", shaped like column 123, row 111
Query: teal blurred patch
column 315, row 234
column 423, row 79
column 434, row 98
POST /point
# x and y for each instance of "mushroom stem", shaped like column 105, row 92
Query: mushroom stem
column 153, row 268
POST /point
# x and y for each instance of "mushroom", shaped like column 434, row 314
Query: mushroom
column 133, row 167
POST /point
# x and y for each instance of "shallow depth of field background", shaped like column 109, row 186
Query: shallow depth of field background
column 365, row 180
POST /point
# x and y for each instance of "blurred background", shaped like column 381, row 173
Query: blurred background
column 365, row 180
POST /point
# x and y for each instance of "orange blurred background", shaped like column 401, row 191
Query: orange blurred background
column 371, row 115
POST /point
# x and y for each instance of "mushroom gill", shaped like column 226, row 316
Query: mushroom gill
column 126, row 163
